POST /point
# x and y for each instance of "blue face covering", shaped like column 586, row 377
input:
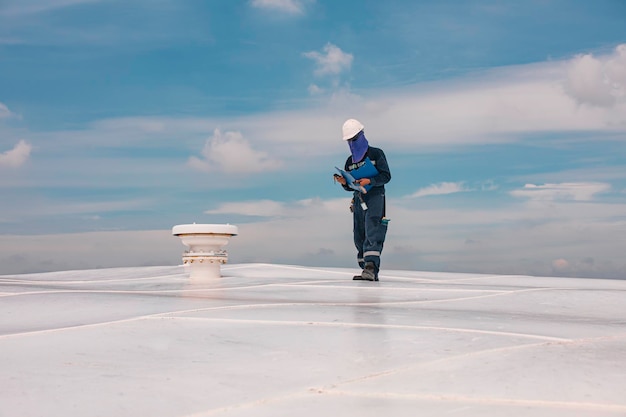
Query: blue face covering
column 358, row 147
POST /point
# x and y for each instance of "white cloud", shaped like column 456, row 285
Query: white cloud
column 598, row 81
column 332, row 61
column 285, row 6
column 315, row 90
column 616, row 67
column 587, row 83
column 440, row 189
column 576, row 191
column 17, row 156
column 560, row 264
column 5, row 113
column 231, row 153
column 475, row 112
column 488, row 185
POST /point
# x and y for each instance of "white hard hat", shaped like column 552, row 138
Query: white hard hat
column 350, row 128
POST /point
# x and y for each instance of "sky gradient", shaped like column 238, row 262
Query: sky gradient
column 504, row 124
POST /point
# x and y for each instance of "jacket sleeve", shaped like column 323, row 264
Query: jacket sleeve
column 384, row 174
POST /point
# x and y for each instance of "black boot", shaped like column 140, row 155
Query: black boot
column 369, row 272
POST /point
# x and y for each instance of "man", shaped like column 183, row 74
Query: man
column 368, row 166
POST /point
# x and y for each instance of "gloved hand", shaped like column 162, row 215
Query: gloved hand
column 341, row 180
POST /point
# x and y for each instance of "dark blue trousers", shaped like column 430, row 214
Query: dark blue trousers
column 368, row 228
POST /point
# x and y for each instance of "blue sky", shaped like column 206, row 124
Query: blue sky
column 504, row 124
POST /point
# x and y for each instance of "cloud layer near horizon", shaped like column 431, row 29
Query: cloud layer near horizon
column 577, row 237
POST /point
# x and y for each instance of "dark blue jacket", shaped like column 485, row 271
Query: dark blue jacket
column 377, row 156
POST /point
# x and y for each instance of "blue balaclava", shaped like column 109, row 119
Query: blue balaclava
column 358, row 146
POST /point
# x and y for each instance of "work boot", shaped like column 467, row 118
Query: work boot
column 369, row 272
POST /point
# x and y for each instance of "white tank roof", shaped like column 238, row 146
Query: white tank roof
column 308, row 342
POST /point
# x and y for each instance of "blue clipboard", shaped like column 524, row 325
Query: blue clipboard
column 367, row 170
column 351, row 182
